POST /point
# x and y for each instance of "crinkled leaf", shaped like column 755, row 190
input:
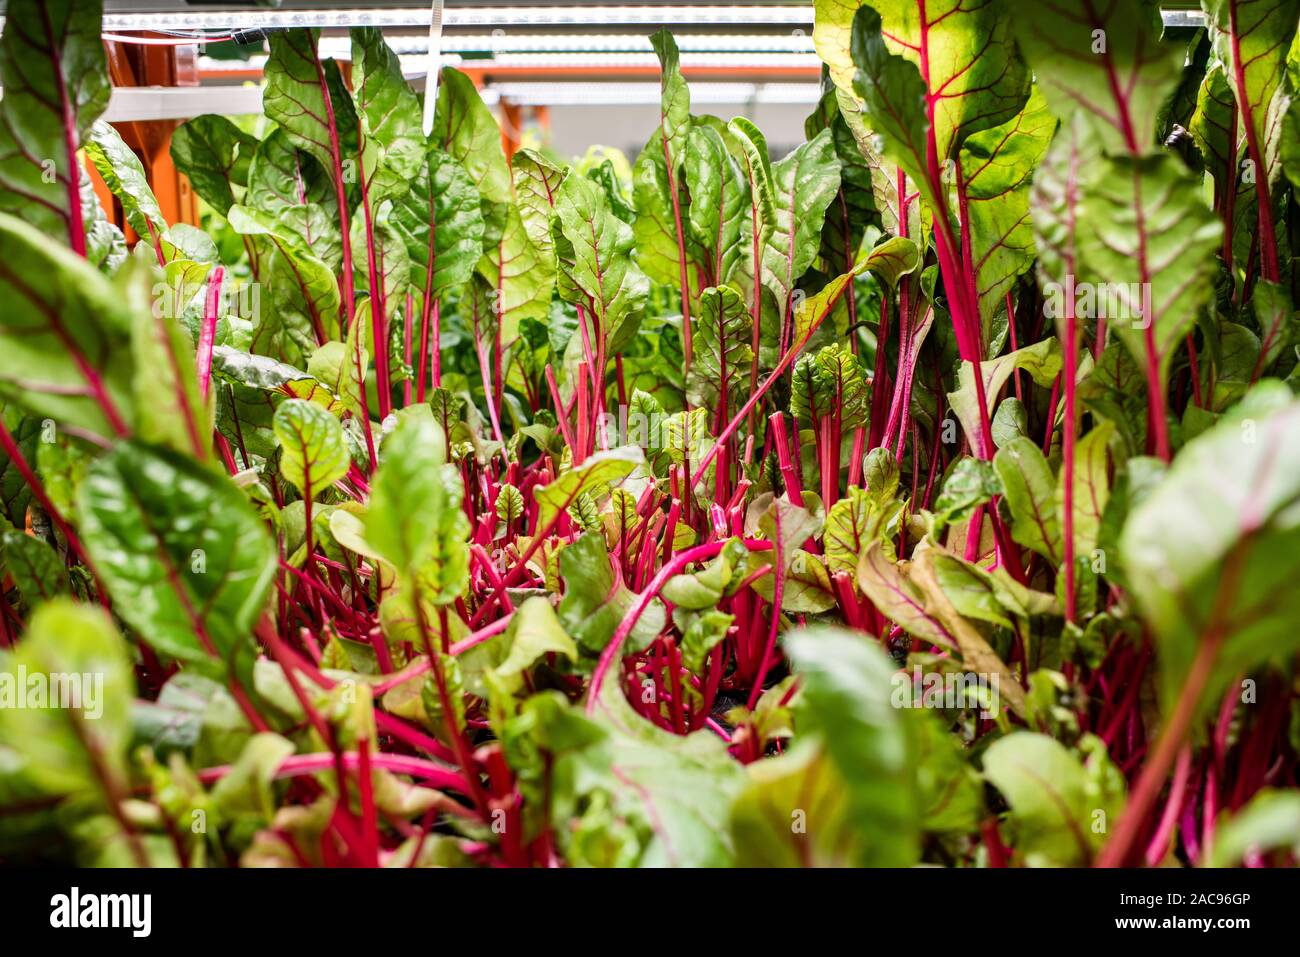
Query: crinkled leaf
column 1105, row 61
column 720, row 331
column 313, row 453
column 215, row 154
column 63, row 332
column 54, row 75
column 185, row 557
column 594, row 251
column 79, row 748
column 1209, row 552
column 803, row 185
column 464, row 127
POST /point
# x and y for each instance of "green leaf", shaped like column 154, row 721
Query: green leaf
column 970, row 483
column 759, row 218
column 1091, row 489
column 79, row 748
column 392, row 142
column 911, row 594
column 215, row 154
column 63, row 334
column 534, row 631
column 393, row 267
column 1060, row 810
column 814, row 310
column 1055, row 205
column 594, row 250
column 1042, row 361
column 1271, row 821
column 795, row 812
column 699, row 591
column 661, row 210
column 806, row 585
column 1252, row 39
column 1214, row 125
column 187, row 560
column 517, row 274
column 621, row 791
column 853, row 523
column 891, row 259
column 1271, row 303
column 594, row 476
column 797, row 523
column 703, row 633
column 1104, row 61
column 845, row 703
column 464, row 127
column 853, row 208
column 969, row 58
column 720, row 334
column 442, row 225
column 314, row 454
column 15, row 493
column 719, row 191
column 596, row 600
column 803, row 185
column 125, row 177
column 536, row 181
column 38, row 572
column 55, row 79
column 247, row 791
column 894, row 94
column 1148, row 240
column 1208, row 553
column 832, row 381
column 294, row 189
column 172, row 410
column 997, row 166
column 303, row 291
column 510, row 505
column 893, row 192
column 832, row 27
column 1029, row 490
column 254, row 387
column 414, row 518
column 303, row 99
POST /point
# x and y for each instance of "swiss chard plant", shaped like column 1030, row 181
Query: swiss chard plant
column 930, row 493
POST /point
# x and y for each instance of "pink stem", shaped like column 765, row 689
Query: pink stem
column 208, row 334
column 674, row 567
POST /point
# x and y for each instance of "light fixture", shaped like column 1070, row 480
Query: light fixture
column 415, row 62
column 471, row 15
column 669, row 15
column 502, row 43
column 645, row 94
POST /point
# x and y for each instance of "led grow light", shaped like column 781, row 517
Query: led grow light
column 340, row 47
column 468, row 16
column 643, row 94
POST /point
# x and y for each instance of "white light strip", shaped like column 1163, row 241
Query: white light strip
column 432, row 62
column 645, row 94
column 416, row 63
column 560, row 61
column 671, row 16
column 340, row 47
column 468, row 16
column 412, row 65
